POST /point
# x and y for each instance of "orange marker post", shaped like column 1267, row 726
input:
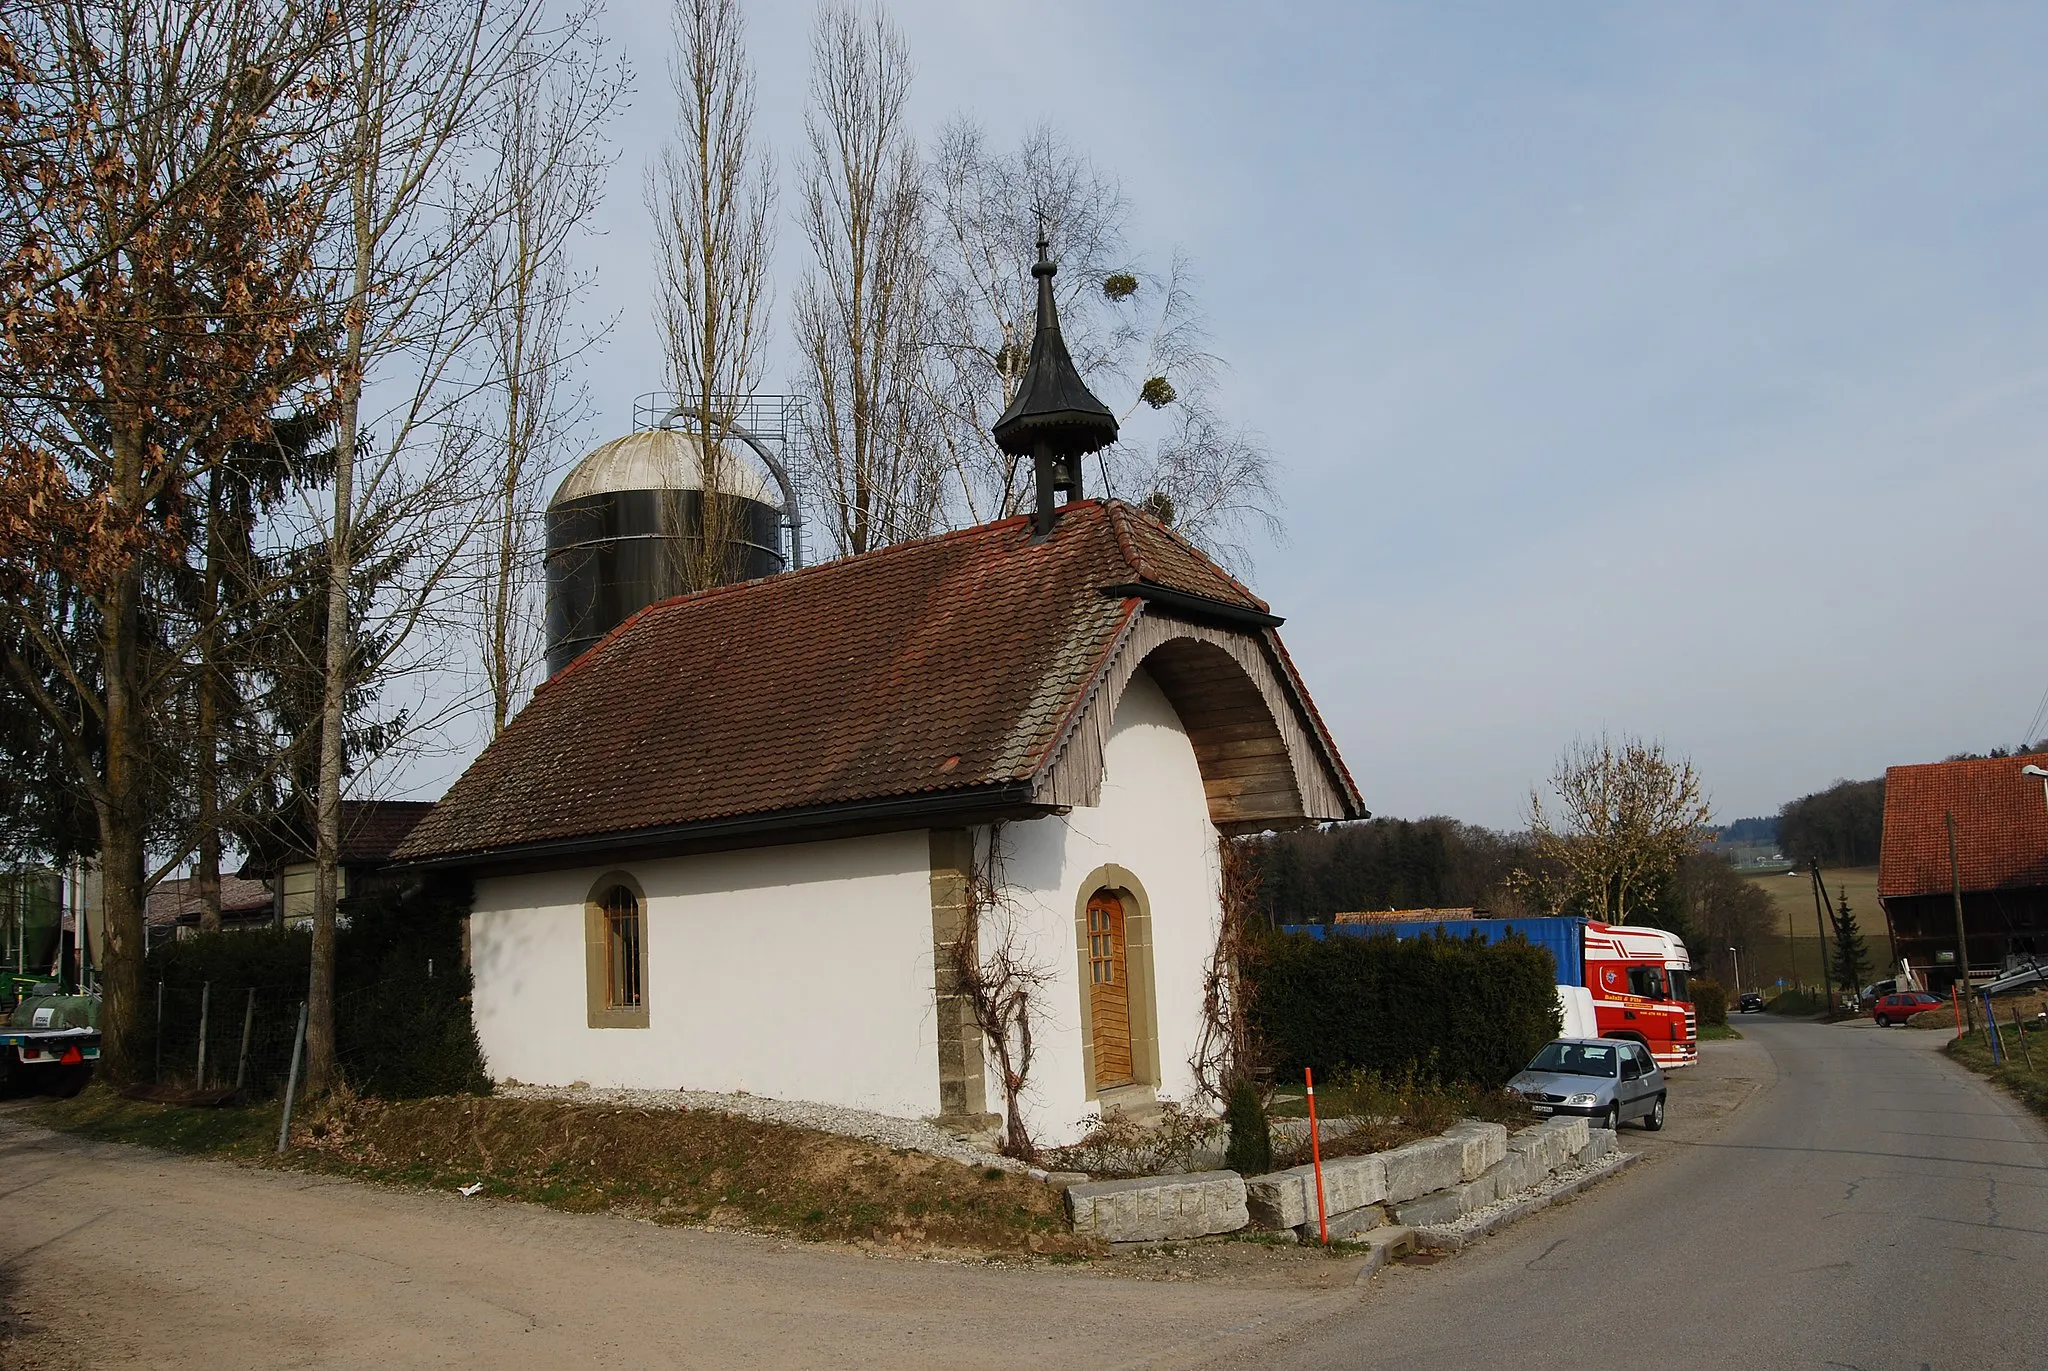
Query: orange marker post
column 1315, row 1150
column 1956, row 998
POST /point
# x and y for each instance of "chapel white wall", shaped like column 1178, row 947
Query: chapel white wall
column 1153, row 820
column 798, row 972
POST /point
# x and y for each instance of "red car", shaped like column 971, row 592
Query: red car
column 1891, row 1009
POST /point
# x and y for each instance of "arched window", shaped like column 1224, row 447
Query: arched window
column 621, row 949
column 615, row 953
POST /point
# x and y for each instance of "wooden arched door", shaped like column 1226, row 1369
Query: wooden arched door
column 1109, row 990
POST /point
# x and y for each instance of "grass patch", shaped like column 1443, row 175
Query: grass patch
column 1717, row 1032
column 2030, row 1087
column 1792, row 900
column 671, row 1166
column 2029, row 1003
column 97, row 1112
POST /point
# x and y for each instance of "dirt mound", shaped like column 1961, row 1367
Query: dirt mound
column 691, row 1167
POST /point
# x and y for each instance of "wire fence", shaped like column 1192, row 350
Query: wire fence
column 240, row 1037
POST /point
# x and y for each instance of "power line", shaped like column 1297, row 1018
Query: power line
column 2034, row 725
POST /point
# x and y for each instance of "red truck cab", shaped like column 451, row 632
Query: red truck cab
column 1641, row 984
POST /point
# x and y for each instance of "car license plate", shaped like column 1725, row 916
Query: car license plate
column 1539, row 1109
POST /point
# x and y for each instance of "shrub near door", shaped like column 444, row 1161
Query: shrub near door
column 1455, row 1009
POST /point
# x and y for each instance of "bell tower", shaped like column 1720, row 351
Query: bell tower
column 1054, row 419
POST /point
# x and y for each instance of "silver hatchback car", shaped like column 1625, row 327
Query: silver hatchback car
column 1609, row 1080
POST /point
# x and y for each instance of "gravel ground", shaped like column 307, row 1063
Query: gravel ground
column 910, row 1134
column 1557, row 1180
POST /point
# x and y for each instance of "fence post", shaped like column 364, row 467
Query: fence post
column 291, row 1085
column 205, row 999
column 1991, row 1032
column 159, row 1031
column 248, row 1023
column 2021, row 1034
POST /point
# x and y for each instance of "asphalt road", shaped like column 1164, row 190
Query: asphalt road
column 1873, row 1207
column 1824, row 1197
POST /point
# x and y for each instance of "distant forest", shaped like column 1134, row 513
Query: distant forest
column 1839, row 826
column 1843, row 825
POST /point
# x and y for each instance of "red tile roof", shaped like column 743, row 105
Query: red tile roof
column 371, row 831
column 951, row 664
column 2001, row 827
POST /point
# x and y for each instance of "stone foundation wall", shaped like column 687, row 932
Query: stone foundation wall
column 1432, row 1181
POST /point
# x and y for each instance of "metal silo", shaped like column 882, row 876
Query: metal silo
column 623, row 522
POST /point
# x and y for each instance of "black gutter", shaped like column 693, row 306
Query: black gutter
column 1195, row 606
column 958, row 804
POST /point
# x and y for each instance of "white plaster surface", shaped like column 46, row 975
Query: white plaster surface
column 1153, row 820
column 804, row 972
column 801, row 972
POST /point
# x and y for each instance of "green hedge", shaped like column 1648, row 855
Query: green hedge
column 1710, row 1001
column 402, row 1021
column 1441, row 1007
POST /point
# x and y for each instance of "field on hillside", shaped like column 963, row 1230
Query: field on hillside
column 1793, row 897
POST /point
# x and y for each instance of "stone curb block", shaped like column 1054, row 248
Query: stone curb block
column 1417, row 1168
column 1353, row 1182
column 1576, row 1132
column 1383, row 1247
column 1345, row 1227
column 1481, row 1145
column 1287, row 1199
column 1160, row 1208
column 1442, row 1240
column 1443, row 1206
column 1282, row 1199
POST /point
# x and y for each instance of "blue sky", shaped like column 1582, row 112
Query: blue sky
column 1679, row 370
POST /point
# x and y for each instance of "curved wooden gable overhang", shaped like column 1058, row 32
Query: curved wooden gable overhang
column 1266, row 760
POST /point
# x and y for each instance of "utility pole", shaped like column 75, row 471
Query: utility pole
column 1955, row 890
column 1791, row 948
column 1820, row 923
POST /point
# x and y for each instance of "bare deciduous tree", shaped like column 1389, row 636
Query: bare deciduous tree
column 869, row 446
column 990, row 209
column 1138, row 339
column 414, row 81
column 993, row 971
column 551, row 175
column 1626, row 815
column 1227, row 1051
column 712, row 195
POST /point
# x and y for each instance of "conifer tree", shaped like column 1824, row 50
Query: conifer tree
column 1852, row 955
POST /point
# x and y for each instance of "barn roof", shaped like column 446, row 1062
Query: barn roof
column 2001, row 827
column 925, row 678
column 371, row 831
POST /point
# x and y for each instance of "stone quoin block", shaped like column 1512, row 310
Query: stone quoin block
column 1421, row 1167
column 1160, row 1208
column 1481, row 1145
column 1600, row 1145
